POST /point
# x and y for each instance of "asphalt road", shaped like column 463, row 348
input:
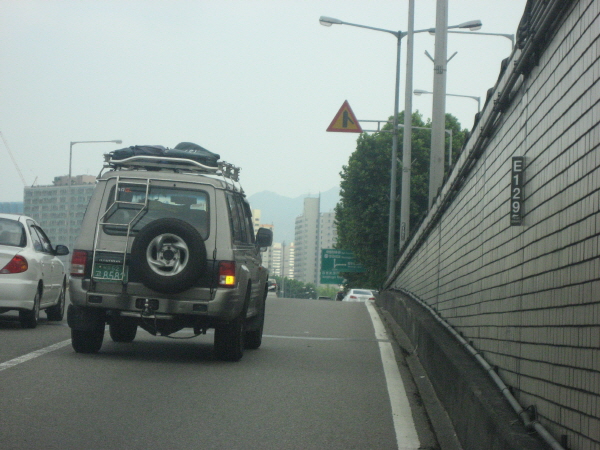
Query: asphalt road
column 317, row 382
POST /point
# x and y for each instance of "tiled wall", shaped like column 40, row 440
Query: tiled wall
column 528, row 296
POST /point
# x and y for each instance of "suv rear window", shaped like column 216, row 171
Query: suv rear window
column 188, row 205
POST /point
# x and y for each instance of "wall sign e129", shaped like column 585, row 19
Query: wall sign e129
column 516, row 190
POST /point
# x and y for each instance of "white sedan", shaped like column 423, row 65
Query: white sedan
column 32, row 278
column 359, row 295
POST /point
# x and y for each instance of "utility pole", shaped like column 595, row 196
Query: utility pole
column 438, row 116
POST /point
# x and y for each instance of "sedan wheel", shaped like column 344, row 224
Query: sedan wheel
column 29, row 319
column 57, row 312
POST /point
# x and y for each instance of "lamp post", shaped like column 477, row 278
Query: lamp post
column 328, row 21
column 69, row 201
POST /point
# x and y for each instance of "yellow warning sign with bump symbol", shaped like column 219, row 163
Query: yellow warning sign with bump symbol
column 345, row 120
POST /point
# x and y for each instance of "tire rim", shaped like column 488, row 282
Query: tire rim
column 167, row 254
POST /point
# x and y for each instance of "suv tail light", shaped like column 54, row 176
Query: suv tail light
column 78, row 263
column 16, row 265
column 227, row 273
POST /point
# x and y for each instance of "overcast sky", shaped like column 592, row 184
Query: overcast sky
column 256, row 81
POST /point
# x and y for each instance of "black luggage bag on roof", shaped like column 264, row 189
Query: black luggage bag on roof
column 186, row 150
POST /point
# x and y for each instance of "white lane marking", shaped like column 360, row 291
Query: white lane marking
column 32, row 355
column 406, row 433
column 316, row 338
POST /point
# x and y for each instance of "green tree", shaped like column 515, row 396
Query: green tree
column 289, row 288
column 327, row 291
column 363, row 211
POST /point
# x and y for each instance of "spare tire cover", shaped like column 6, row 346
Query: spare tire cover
column 168, row 255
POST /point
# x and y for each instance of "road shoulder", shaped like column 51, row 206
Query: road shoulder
column 433, row 424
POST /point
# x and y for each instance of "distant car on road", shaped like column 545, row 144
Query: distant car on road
column 359, row 295
column 32, row 278
column 272, row 285
column 324, row 297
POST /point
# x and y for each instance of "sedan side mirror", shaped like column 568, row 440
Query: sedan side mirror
column 61, row 250
column 264, row 237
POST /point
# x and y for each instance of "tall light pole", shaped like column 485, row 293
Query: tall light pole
column 328, row 21
column 69, row 200
column 407, row 143
column 438, row 113
column 407, row 137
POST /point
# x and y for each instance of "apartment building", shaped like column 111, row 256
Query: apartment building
column 314, row 231
column 49, row 206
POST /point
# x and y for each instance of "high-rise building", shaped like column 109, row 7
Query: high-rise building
column 267, row 255
column 306, row 241
column 314, row 231
column 48, row 206
column 289, row 257
column 276, row 262
column 279, row 258
column 256, row 220
column 327, row 231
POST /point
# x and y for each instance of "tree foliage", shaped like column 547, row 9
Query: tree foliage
column 362, row 215
column 289, row 288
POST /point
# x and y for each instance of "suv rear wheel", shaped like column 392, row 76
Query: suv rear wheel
column 122, row 330
column 88, row 341
column 230, row 338
column 254, row 334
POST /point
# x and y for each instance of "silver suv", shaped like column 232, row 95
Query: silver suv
column 167, row 243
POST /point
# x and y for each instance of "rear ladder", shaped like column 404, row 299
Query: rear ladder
column 117, row 257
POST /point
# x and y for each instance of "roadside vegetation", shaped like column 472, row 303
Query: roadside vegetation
column 362, row 215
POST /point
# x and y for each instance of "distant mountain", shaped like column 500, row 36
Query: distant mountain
column 282, row 211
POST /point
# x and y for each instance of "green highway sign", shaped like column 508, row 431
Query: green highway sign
column 330, row 277
column 339, row 261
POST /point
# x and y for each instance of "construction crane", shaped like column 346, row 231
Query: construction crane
column 13, row 159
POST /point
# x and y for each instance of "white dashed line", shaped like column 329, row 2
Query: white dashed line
column 33, row 355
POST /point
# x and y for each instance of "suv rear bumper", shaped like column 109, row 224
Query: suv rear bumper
column 225, row 304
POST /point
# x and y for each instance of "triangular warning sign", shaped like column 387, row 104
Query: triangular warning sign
column 345, row 121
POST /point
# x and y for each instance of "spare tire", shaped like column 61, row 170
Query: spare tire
column 168, row 255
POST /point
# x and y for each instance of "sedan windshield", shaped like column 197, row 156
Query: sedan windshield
column 359, row 292
column 12, row 233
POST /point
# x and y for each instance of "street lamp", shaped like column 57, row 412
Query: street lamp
column 328, row 21
column 477, row 99
column 510, row 37
column 69, row 201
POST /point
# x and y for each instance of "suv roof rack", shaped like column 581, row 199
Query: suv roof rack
column 223, row 168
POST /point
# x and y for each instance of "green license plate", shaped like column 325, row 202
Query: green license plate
column 110, row 272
